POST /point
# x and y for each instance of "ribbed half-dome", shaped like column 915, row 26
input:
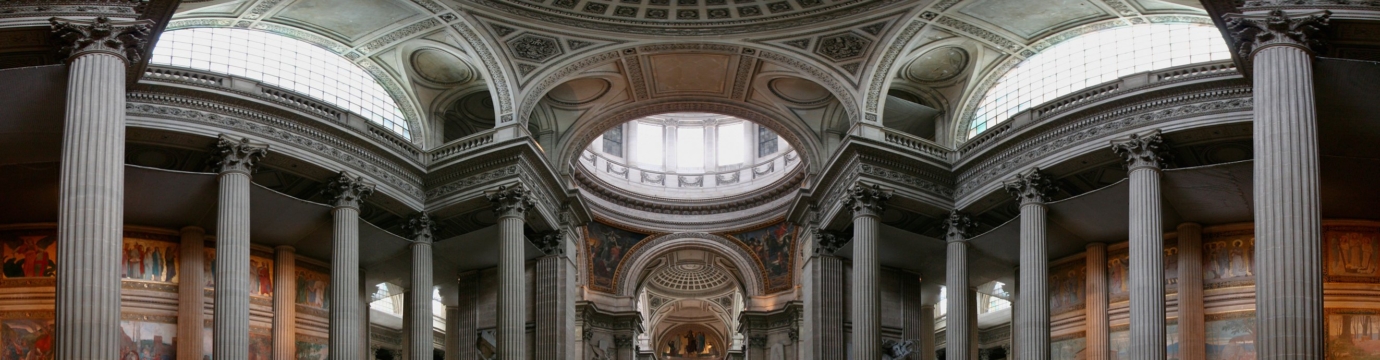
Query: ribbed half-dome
column 691, row 278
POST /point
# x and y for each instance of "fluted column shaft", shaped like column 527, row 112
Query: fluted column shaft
column 230, row 340
column 345, row 327
column 420, row 344
column 926, row 334
column 971, row 298
column 1288, row 225
column 1147, row 266
column 467, row 327
column 284, row 303
column 958, row 345
column 824, row 300
column 867, row 314
column 512, row 289
column 1192, row 330
column 1033, row 320
column 452, row 333
column 1098, row 324
column 191, row 293
column 91, row 209
column 555, row 302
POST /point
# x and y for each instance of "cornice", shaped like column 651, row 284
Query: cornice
column 745, row 201
column 697, row 28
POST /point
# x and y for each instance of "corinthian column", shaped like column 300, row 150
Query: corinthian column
column 959, row 344
column 1032, row 189
column 191, row 291
column 1192, row 329
column 866, row 203
column 1095, row 315
column 1144, row 155
column 284, row 303
column 824, row 297
column 555, row 307
column 91, row 188
column 347, row 308
column 419, row 310
column 1289, row 309
column 511, row 205
column 236, row 160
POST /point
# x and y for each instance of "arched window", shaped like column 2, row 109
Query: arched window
column 282, row 62
column 1091, row 59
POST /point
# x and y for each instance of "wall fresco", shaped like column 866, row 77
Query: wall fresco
column 1229, row 259
column 1353, row 334
column 607, row 246
column 260, row 276
column 1119, row 345
column 26, row 335
column 260, row 344
column 1118, row 275
column 1069, row 349
column 311, row 288
column 145, row 340
column 311, row 350
column 772, row 246
column 29, row 253
column 1231, row 337
column 149, row 260
column 1353, row 254
column 1066, row 287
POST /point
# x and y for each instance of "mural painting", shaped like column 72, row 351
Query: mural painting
column 1353, row 254
column 260, row 276
column 29, row 253
column 772, row 245
column 1068, row 349
column 607, row 246
column 26, row 335
column 209, row 266
column 1353, row 334
column 206, row 342
column 311, row 350
column 1171, row 336
column 1231, row 336
column 260, row 344
column 149, row 260
column 1120, row 343
column 690, row 344
column 1118, row 275
column 311, row 288
column 1066, row 287
column 1171, row 267
column 1229, row 259
column 145, row 340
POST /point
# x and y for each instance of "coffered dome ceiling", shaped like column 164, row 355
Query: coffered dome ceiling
column 686, row 17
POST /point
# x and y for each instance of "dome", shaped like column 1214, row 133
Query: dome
column 689, row 156
column 691, row 278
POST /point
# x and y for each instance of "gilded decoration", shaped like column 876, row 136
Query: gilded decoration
column 608, row 247
column 772, row 246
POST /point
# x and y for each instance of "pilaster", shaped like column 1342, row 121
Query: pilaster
column 555, row 307
column 823, row 288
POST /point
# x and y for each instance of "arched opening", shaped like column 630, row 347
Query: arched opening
column 690, row 304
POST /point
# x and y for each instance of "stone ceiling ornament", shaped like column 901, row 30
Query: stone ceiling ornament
column 938, row 64
column 1253, row 33
column 1145, row 150
column 346, row 190
column 958, row 226
column 843, row 46
column 511, row 200
column 421, row 227
column 125, row 39
column 864, row 200
column 533, row 47
column 1030, row 187
column 240, row 156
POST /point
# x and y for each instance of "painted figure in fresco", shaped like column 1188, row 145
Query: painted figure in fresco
column 1118, row 275
column 254, row 277
column 1357, row 254
column 170, row 264
column 30, row 251
column 265, row 279
column 1240, row 266
column 157, row 263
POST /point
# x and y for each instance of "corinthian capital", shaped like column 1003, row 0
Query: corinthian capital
column 420, row 227
column 957, row 226
column 511, row 201
column 551, row 242
column 348, row 191
column 865, row 200
column 827, row 242
column 240, row 156
column 1254, row 32
column 125, row 39
column 1142, row 150
column 1030, row 187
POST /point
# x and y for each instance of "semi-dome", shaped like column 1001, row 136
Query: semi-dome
column 691, row 278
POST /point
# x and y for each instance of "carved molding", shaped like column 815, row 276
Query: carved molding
column 237, row 156
column 349, row 191
column 124, row 39
column 1030, row 187
column 1144, row 150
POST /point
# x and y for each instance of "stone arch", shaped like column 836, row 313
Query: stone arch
column 798, row 135
column 636, row 264
column 491, row 69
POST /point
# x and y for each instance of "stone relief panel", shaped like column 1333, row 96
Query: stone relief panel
column 772, row 247
column 607, row 246
column 28, row 254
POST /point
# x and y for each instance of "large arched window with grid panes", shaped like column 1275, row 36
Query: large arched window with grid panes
column 1094, row 58
column 285, row 63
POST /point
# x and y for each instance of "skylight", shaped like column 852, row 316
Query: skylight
column 282, row 62
column 1091, row 59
